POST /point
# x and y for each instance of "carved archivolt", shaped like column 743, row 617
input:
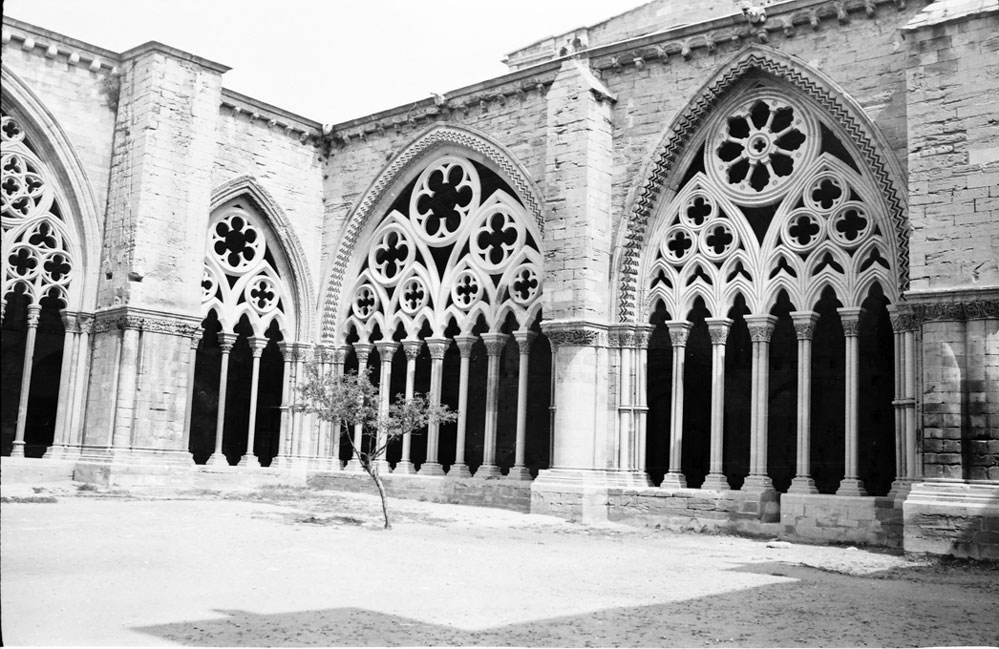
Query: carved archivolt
column 756, row 164
column 37, row 249
column 242, row 276
column 454, row 254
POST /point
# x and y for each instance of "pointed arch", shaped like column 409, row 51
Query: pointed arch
column 439, row 139
column 661, row 173
column 301, row 280
column 72, row 186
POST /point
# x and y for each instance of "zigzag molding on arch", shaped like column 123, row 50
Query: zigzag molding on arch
column 278, row 221
column 436, row 137
column 685, row 126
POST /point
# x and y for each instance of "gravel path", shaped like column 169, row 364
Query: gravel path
column 290, row 567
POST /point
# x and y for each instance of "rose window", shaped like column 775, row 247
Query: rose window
column 496, row 239
column 444, row 198
column 759, row 146
column 391, row 254
column 236, row 243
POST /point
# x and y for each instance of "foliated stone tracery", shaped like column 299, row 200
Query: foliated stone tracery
column 37, row 257
column 241, row 276
column 776, row 203
column 459, row 248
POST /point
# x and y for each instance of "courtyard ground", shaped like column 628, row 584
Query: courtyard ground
column 289, row 566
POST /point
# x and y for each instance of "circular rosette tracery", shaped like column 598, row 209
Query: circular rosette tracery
column 23, row 262
column 23, row 191
column 413, row 295
column 679, row 244
column 238, row 245
column 525, row 284
column 10, row 130
column 851, row 224
column 697, row 210
column 209, row 284
column 758, row 146
column 498, row 235
column 365, row 302
column 468, row 289
column 445, row 194
column 826, row 192
column 803, row 230
column 392, row 253
column 262, row 293
column 718, row 240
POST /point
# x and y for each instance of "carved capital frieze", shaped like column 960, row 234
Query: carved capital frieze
column 718, row 329
column 804, row 324
column 438, row 347
column 412, row 349
column 761, row 327
column 386, row 350
column 494, row 343
column 678, row 333
column 465, row 344
column 524, row 340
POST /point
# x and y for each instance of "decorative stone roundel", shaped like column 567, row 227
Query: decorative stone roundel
column 240, row 278
column 455, row 255
column 36, row 243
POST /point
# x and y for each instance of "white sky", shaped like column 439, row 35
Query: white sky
column 328, row 60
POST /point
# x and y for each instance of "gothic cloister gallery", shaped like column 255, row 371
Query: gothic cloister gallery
column 698, row 266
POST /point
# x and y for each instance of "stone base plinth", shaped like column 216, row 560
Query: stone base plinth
column 20, row 470
column 750, row 513
column 953, row 518
column 580, row 494
column 827, row 518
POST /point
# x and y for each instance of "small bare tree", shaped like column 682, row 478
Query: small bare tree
column 351, row 399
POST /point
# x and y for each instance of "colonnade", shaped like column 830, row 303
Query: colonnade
column 633, row 407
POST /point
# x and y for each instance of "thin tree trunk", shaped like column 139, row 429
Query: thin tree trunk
column 381, row 492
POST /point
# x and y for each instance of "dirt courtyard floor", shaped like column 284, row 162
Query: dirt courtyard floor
column 292, row 567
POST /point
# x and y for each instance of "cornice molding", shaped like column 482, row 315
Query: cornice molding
column 53, row 45
column 147, row 321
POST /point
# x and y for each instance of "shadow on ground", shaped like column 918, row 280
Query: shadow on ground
column 811, row 607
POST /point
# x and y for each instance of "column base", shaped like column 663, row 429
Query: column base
column 459, row 471
column 17, row 450
column 519, row 473
column 674, row 481
column 62, row 453
column 217, row 461
column 488, row 471
column 756, row 483
column 354, row 466
column 249, row 460
column 431, row 468
column 900, row 488
column 382, row 466
column 716, row 482
column 851, row 487
column 404, row 468
column 802, row 485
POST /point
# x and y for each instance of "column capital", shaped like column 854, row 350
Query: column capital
column 494, row 343
column 363, row 350
column 642, row 334
column 438, row 347
column 257, row 345
column 524, row 340
column 465, row 344
column 86, row 321
column 195, row 342
column 34, row 311
column 679, row 330
column 761, row 327
column 386, row 350
column 70, row 321
column 323, row 352
column 804, row 323
column 574, row 333
column 340, row 354
column 718, row 329
column 850, row 317
column 226, row 341
column 412, row 348
column 902, row 318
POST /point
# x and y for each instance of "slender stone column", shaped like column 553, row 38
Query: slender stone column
column 287, row 397
column 257, row 345
column 622, row 341
column 494, row 347
column 804, row 329
column 304, row 422
column 851, row 485
column 189, row 403
column 519, row 471
column 718, row 329
column 322, row 446
column 34, row 311
column 82, row 372
column 761, row 328
column 459, row 469
column 339, row 356
column 412, row 350
column 128, row 370
column 903, row 324
column 642, row 334
column 362, row 350
column 67, row 378
column 914, row 470
column 226, row 341
column 386, row 350
column 674, row 478
column 437, row 347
